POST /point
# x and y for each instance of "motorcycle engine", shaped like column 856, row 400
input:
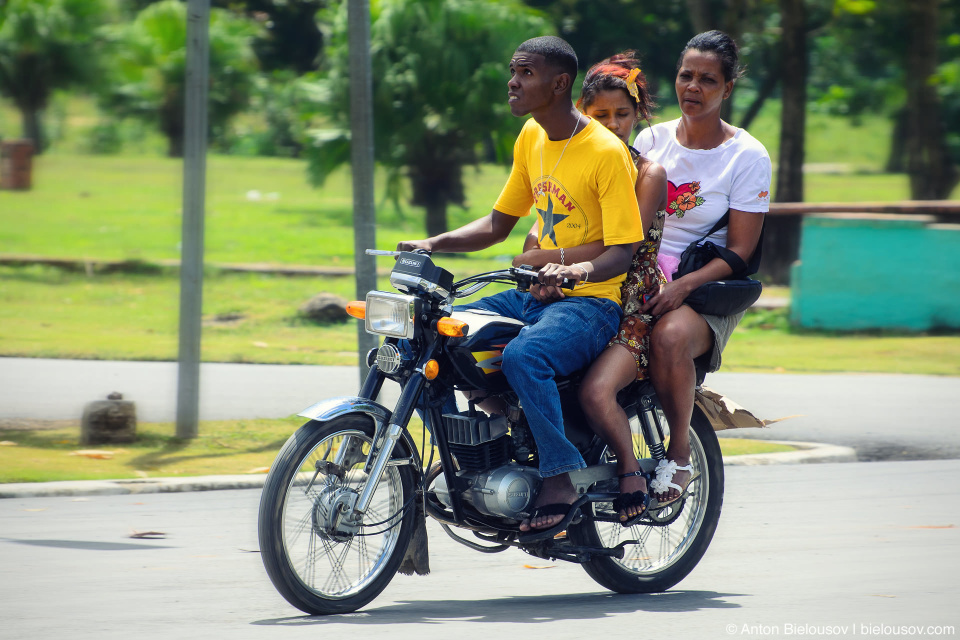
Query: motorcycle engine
column 482, row 447
column 506, row 492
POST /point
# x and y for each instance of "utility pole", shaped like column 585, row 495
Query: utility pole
column 361, row 162
column 194, row 185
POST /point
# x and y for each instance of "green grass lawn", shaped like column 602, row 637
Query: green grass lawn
column 128, row 206
column 48, row 312
column 222, row 447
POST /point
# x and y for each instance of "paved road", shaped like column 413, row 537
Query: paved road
column 883, row 417
column 835, row 545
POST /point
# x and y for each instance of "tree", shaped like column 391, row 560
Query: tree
column 793, row 68
column 46, row 45
column 597, row 29
column 882, row 57
column 290, row 39
column 932, row 174
column 149, row 68
column 440, row 74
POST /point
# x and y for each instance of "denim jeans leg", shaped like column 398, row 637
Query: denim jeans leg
column 565, row 336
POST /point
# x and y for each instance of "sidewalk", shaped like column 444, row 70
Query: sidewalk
column 806, row 453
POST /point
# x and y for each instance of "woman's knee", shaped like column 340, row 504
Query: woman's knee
column 667, row 342
column 595, row 394
column 677, row 335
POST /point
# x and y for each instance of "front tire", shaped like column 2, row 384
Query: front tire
column 669, row 549
column 319, row 569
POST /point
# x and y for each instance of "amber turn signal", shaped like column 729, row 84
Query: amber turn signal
column 452, row 328
column 431, row 369
column 357, row 309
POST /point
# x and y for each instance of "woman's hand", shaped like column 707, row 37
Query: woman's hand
column 670, row 296
column 545, row 294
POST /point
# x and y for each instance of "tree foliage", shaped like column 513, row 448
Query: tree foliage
column 881, row 57
column 46, row 45
column 148, row 69
column 596, row 29
column 290, row 38
column 440, row 69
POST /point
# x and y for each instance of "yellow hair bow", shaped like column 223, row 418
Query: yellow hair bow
column 632, row 84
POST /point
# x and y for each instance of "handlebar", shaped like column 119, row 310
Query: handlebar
column 522, row 276
column 527, row 276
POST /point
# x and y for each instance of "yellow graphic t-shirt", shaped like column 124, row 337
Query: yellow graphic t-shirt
column 589, row 196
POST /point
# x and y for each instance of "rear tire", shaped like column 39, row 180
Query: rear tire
column 318, row 571
column 665, row 554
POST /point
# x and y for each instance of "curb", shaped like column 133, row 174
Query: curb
column 806, row 453
column 128, row 486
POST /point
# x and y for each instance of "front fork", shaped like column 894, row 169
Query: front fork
column 386, row 436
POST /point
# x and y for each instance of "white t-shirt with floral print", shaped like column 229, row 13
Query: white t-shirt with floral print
column 704, row 183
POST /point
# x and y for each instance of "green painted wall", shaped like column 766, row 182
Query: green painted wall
column 866, row 271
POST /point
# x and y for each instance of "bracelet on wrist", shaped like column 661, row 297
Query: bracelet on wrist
column 586, row 274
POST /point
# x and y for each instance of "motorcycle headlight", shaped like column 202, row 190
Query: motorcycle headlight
column 391, row 314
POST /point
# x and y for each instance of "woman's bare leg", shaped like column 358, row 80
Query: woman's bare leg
column 611, row 372
column 678, row 337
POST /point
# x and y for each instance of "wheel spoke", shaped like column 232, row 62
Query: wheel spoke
column 659, row 545
column 329, row 563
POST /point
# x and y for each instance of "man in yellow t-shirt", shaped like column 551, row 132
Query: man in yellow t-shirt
column 581, row 181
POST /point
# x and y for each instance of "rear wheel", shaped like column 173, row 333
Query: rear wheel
column 319, row 562
column 669, row 543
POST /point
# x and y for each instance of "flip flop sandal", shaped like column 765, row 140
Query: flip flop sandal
column 633, row 499
column 665, row 471
column 571, row 512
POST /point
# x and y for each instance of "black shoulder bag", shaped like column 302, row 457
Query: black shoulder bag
column 721, row 297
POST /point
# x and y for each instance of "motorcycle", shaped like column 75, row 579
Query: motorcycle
column 345, row 502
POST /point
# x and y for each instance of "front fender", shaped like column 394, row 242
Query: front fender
column 334, row 407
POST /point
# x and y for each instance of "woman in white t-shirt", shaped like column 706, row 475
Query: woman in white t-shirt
column 712, row 167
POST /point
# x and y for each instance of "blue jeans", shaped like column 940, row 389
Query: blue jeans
column 560, row 338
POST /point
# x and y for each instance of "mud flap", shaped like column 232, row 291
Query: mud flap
column 417, row 558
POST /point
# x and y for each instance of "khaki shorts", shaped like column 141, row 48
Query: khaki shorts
column 722, row 327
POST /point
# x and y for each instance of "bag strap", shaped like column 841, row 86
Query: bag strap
column 740, row 268
column 719, row 224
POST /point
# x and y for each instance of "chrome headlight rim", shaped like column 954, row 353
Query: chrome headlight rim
column 391, row 314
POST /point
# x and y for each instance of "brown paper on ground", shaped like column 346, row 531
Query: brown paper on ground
column 723, row 413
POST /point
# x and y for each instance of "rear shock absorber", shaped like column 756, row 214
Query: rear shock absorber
column 651, row 427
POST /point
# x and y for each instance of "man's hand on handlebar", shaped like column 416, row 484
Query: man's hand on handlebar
column 552, row 276
column 413, row 245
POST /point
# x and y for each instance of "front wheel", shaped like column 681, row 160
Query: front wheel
column 318, row 561
column 671, row 543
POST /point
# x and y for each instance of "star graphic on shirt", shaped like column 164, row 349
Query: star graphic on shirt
column 550, row 220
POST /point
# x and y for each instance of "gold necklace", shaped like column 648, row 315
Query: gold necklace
column 537, row 193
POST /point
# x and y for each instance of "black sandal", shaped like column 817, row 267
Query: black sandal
column 634, row 499
column 569, row 512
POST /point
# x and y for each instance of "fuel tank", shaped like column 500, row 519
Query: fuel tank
column 477, row 357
